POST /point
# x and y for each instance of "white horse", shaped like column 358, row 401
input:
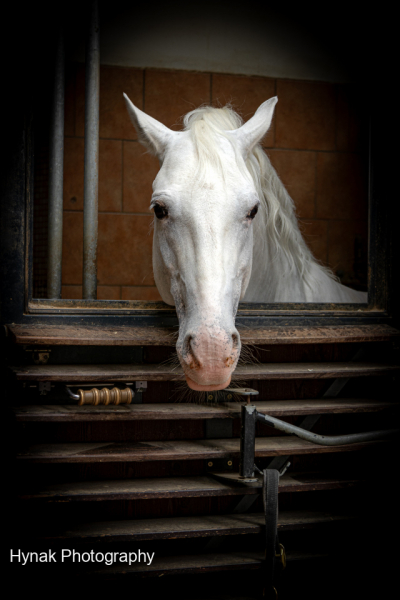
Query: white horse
column 225, row 230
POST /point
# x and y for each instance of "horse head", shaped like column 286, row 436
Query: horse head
column 204, row 201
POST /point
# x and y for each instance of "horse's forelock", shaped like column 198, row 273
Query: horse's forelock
column 222, row 119
column 277, row 215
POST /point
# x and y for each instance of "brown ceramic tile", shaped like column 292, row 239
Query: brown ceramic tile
column 140, row 169
column 140, row 293
column 109, row 292
column 347, row 250
column 315, row 234
column 171, row 94
column 305, row 115
column 125, row 250
column 71, row 292
column 245, row 94
column 114, row 119
column 73, row 173
column 352, row 123
column 69, row 119
column 297, row 173
column 341, row 187
column 110, row 174
column 72, row 248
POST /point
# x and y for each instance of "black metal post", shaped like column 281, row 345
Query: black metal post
column 247, row 441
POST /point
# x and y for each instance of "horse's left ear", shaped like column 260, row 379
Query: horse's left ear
column 252, row 132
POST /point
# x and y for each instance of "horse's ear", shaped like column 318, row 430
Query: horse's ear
column 252, row 132
column 151, row 133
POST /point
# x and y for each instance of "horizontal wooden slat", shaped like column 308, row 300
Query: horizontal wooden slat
column 48, row 335
column 201, row 563
column 180, row 410
column 191, row 527
column 127, row 373
column 104, row 452
column 180, row 487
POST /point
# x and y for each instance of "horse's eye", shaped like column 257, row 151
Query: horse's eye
column 160, row 211
column 252, row 213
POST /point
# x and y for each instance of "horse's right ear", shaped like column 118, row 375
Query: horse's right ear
column 151, row 133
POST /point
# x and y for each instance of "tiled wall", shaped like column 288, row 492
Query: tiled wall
column 314, row 143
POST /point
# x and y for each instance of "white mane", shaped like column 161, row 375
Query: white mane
column 276, row 221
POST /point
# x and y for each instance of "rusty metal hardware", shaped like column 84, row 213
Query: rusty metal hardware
column 39, row 357
column 243, row 392
column 141, row 386
column 281, row 555
column 218, row 465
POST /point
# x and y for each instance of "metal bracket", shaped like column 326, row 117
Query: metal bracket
column 44, row 387
column 140, row 387
column 284, row 468
column 39, row 357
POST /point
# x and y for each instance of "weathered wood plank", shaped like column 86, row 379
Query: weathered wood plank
column 180, row 487
column 191, row 527
column 201, row 563
column 174, row 450
column 45, row 335
column 180, row 410
column 127, row 373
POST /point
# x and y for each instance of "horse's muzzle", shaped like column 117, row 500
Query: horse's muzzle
column 209, row 357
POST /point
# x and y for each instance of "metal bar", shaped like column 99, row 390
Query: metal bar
column 325, row 440
column 91, row 180
column 281, row 462
column 247, row 441
column 56, row 173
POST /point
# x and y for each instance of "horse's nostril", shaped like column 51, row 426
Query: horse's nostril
column 189, row 355
column 235, row 341
column 188, row 345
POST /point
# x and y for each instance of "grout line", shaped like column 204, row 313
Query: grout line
column 276, row 113
column 109, row 212
column 336, row 116
column 315, row 183
column 112, row 285
column 122, row 175
column 74, row 111
column 327, row 242
column 144, row 89
column 82, row 137
column 282, row 149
